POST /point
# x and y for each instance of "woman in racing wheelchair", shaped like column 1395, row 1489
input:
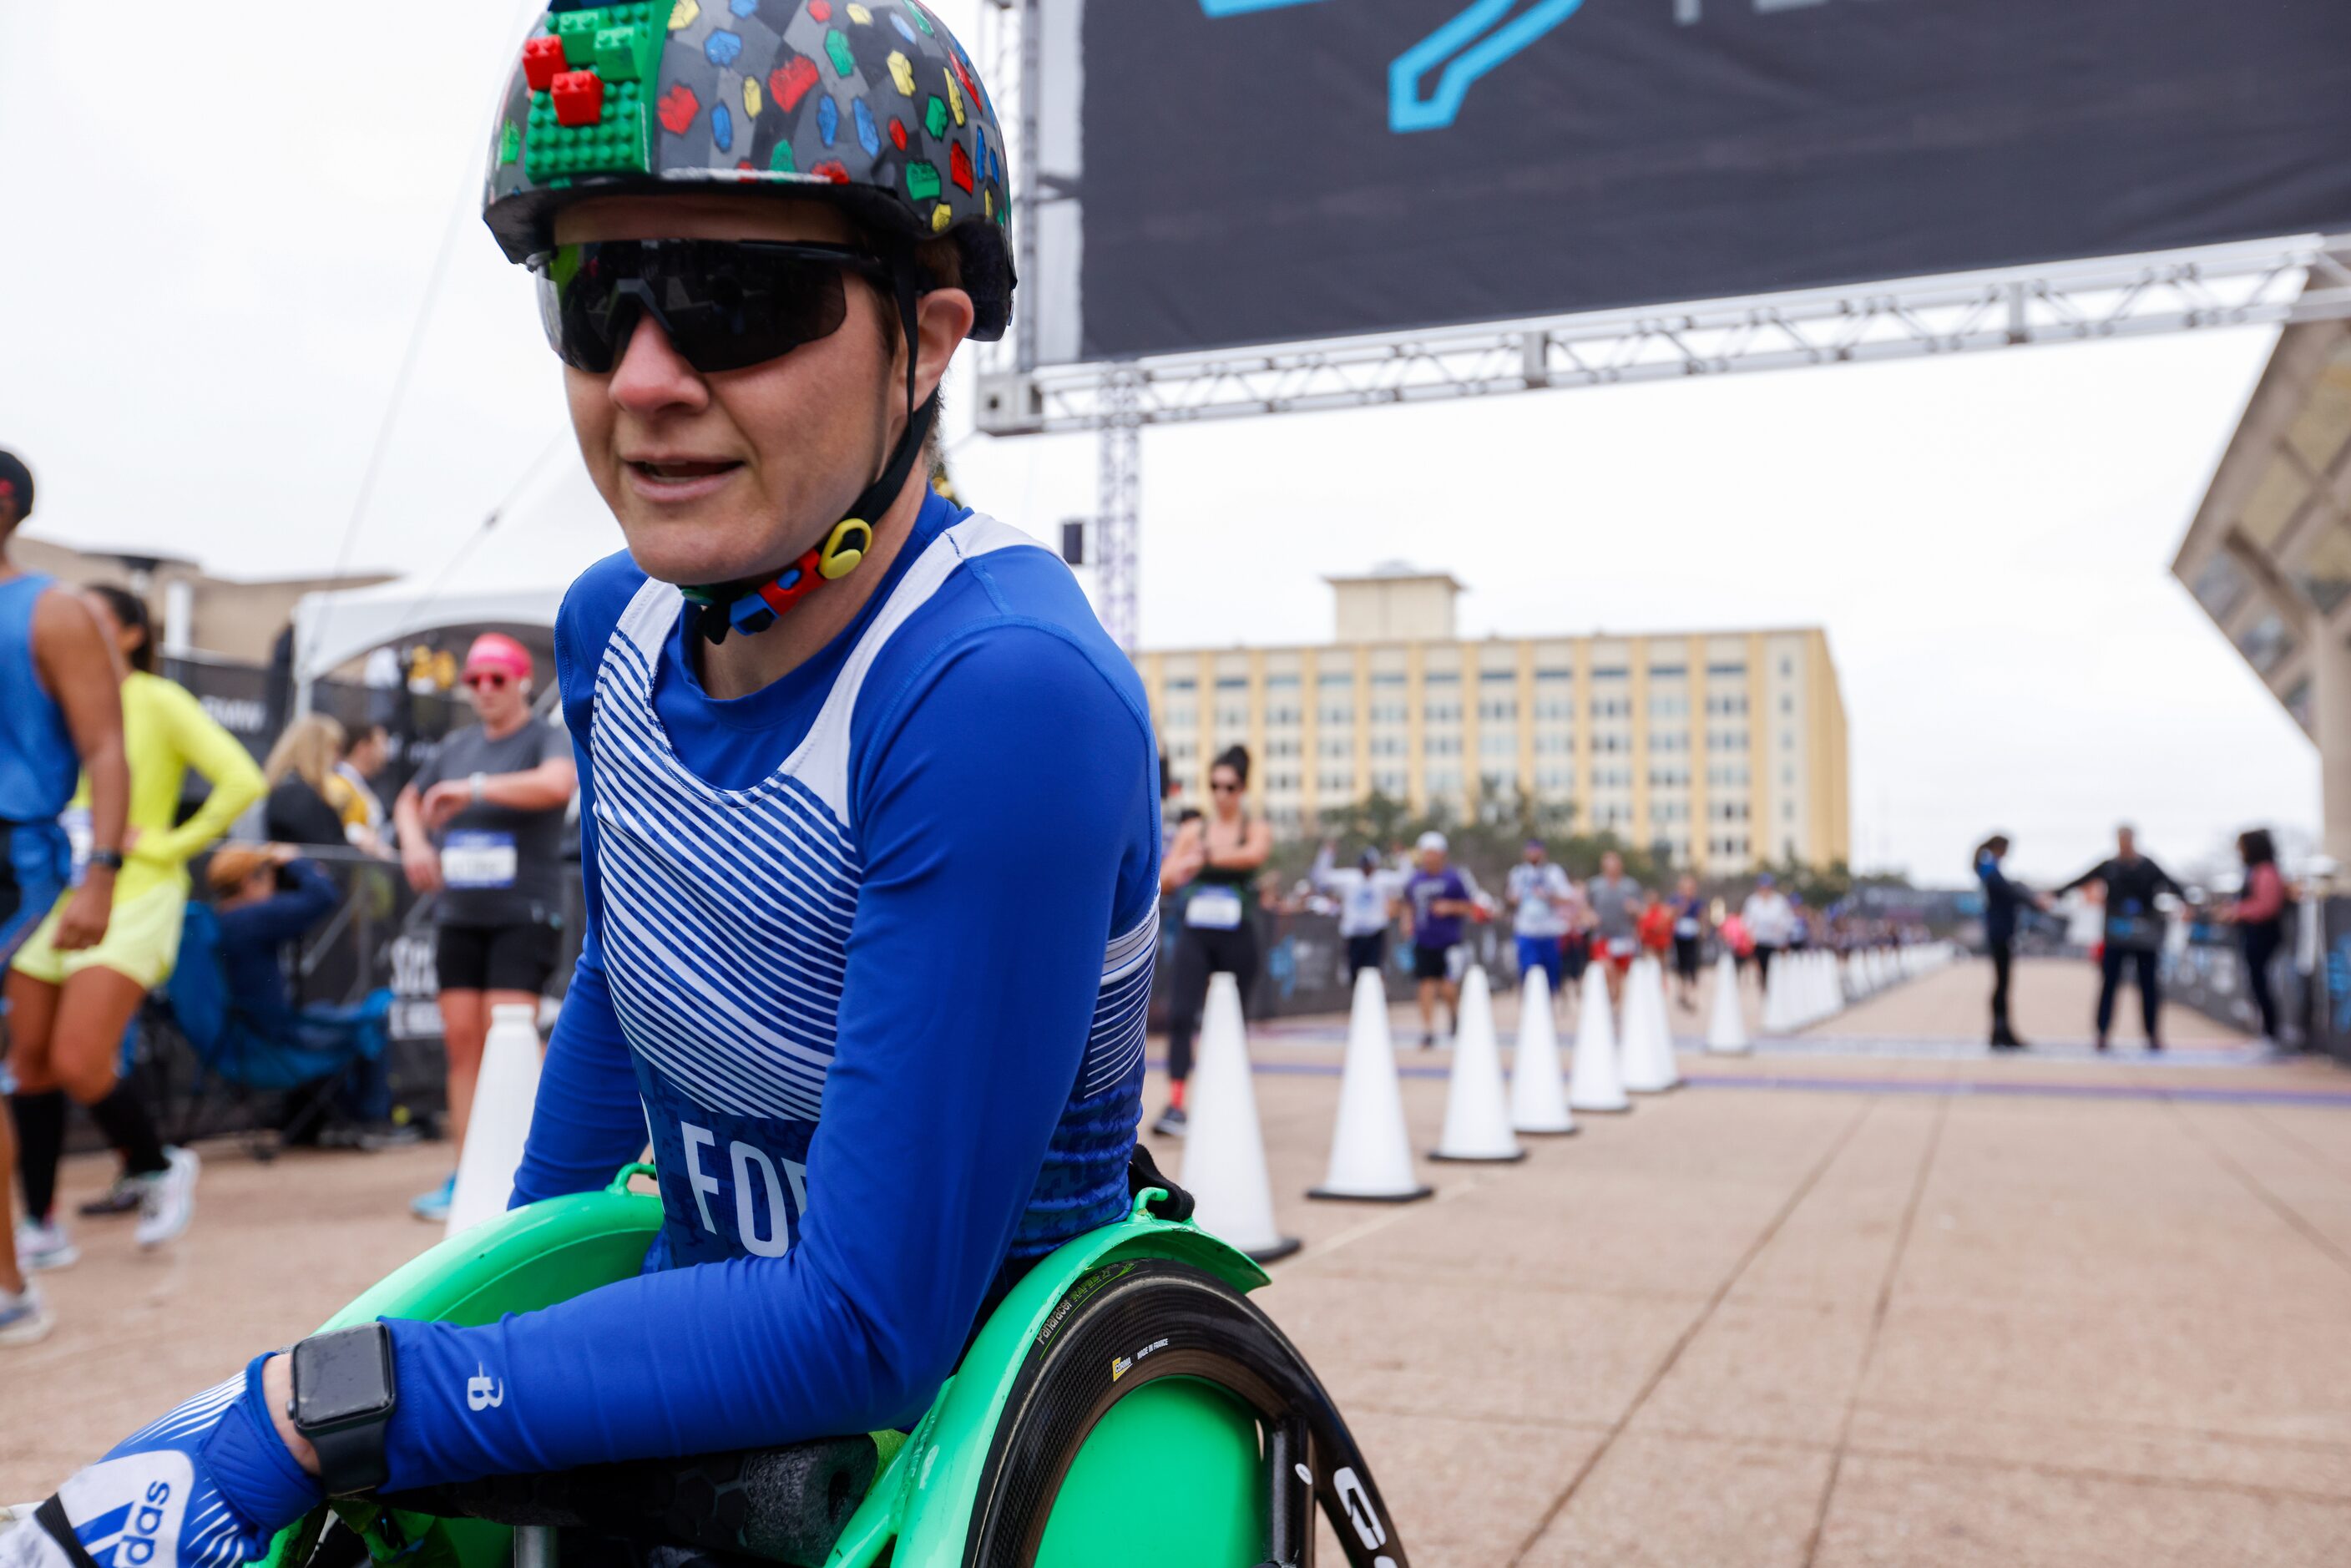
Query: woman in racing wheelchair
column 870, row 844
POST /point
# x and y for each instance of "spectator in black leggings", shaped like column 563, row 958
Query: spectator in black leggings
column 2258, row 916
column 2134, row 931
column 1209, row 869
column 2002, row 899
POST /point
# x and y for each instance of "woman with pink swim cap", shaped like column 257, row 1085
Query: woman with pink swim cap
column 481, row 830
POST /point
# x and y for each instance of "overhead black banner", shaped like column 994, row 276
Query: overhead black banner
column 1253, row 171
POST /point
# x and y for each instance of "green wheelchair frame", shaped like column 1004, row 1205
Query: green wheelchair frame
column 1125, row 1404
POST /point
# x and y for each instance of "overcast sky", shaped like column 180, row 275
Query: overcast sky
column 210, row 300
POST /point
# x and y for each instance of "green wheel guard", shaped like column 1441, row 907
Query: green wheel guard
column 1044, row 1445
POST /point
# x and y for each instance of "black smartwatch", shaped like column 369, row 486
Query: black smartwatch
column 106, row 860
column 343, row 1400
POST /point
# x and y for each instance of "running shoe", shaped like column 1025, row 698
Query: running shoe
column 1171, row 1122
column 45, row 1245
column 24, row 1317
column 434, row 1206
column 168, row 1199
column 120, row 1198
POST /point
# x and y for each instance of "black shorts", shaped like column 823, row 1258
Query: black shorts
column 1685, row 956
column 1429, row 963
column 498, row 958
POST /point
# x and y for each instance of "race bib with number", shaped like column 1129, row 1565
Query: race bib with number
column 1685, row 928
column 1214, row 909
column 478, row 860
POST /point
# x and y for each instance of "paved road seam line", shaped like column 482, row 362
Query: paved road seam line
column 2289, row 1136
column 1876, row 1326
column 1706, row 1314
column 2279, row 1205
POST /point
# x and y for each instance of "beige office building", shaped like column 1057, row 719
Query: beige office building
column 1729, row 746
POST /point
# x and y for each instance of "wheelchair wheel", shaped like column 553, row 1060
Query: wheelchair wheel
column 1163, row 1422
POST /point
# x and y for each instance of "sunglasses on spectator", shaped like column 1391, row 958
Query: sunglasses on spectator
column 1225, row 789
column 492, row 680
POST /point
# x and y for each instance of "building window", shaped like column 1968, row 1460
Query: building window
column 1733, row 671
column 1387, row 677
column 1231, row 720
column 1612, row 707
column 1390, row 784
column 1335, row 717
column 1441, row 710
column 1505, row 711
column 1281, row 683
column 1444, row 745
column 1337, row 749
column 1181, row 683
column 1387, row 746
column 1554, row 743
column 1787, row 667
column 1674, row 706
column 1182, row 717
column 1387, row 713
column 1500, row 677
column 1445, row 781
column 1499, row 743
column 1727, row 704
column 2266, row 643
column 1336, row 784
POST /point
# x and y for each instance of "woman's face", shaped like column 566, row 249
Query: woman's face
column 498, row 695
column 1225, row 786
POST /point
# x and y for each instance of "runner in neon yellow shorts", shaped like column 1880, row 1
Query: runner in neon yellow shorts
column 68, row 1009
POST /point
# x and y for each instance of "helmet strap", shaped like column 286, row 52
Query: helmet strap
column 751, row 606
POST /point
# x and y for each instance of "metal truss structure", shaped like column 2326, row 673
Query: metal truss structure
column 2217, row 286
column 2270, row 282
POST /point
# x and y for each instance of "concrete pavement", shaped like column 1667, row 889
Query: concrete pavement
column 2055, row 1310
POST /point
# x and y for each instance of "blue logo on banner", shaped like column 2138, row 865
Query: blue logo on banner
column 1483, row 36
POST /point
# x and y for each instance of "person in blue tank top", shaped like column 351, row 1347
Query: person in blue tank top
column 60, row 686
column 870, row 820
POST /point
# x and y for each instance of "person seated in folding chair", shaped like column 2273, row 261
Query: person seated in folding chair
column 265, row 897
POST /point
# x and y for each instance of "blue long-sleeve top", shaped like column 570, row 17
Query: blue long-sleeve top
column 949, row 892
column 2003, row 899
column 251, row 938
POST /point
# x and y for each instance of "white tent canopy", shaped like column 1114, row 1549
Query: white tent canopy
column 513, row 574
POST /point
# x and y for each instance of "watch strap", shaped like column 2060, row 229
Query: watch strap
column 107, row 860
column 352, row 1461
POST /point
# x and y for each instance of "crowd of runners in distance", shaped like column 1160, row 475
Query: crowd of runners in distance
column 1432, row 909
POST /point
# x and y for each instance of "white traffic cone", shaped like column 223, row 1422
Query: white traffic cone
column 1857, row 977
column 1648, row 1047
column 1597, row 1082
column 1477, row 1106
column 1370, row 1154
column 1726, row 1029
column 1776, row 988
column 500, row 1126
column 1538, row 1094
column 1224, row 1153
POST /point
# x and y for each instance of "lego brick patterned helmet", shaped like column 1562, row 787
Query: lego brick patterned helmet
column 871, row 105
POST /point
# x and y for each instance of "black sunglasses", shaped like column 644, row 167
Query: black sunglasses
column 726, row 304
